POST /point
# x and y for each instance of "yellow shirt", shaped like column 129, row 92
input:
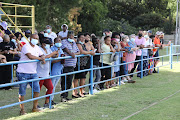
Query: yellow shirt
column 106, row 58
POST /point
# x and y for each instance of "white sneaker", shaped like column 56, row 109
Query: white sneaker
column 123, row 83
column 125, row 80
column 95, row 91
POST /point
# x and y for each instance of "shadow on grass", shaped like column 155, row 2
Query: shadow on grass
column 115, row 103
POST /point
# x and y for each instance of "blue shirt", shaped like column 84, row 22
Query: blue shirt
column 72, row 48
column 57, row 67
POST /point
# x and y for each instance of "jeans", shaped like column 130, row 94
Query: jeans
column 68, row 80
column 96, row 73
column 55, row 82
column 25, row 77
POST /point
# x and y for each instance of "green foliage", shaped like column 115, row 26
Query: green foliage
column 91, row 14
column 118, row 26
column 148, row 21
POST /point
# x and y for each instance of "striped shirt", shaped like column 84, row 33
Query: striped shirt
column 72, row 48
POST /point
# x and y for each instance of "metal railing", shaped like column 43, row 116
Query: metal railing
column 169, row 54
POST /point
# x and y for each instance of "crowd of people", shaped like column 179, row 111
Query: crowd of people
column 47, row 44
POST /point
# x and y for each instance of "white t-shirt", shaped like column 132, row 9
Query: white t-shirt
column 29, row 68
column 23, row 39
column 43, row 70
column 52, row 35
column 63, row 34
column 1, row 40
column 145, row 52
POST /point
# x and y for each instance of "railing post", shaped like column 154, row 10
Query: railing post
column 12, row 71
column 171, row 55
column 15, row 17
column 91, row 75
column 141, row 76
column 119, row 66
column 33, row 19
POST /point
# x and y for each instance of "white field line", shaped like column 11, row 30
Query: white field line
column 155, row 103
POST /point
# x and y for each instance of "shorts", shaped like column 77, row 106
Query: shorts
column 156, row 55
column 80, row 75
column 23, row 86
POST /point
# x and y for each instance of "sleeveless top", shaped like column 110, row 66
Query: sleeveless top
column 83, row 60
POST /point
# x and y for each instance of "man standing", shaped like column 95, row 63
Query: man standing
column 51, row 34
column 63, row 34
column 70, row 49
column 27, row 71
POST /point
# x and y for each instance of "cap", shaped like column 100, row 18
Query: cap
column 4, row 25
column 149, row 31
column 28, row 31
column 158, row 33
column 64, row 25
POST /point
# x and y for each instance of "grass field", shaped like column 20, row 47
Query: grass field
column 112, row 104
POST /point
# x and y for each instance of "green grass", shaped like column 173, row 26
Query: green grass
column 112, row 104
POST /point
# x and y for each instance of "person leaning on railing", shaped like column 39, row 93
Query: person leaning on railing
column 7, row 48
column 140, row 42
column 106, row 73
column 43, row 70
column 83, row 62
column 157, row 43
column 57, row 65
column 127, row 57
column 70, row 49
column 27, row 71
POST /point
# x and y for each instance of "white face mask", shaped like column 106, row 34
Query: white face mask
column 132, row 39
column 127, row 40
column 47, row 46
column 70, row 40
column 34, row 41
column 46, row 35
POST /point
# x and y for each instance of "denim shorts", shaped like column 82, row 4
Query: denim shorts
column 25, row 77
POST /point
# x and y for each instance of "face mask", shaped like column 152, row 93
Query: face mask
column 70, row 40
column 117, row 40
column 27, row 36
column 48, row 30
column 47, row 46
column 34, row 41
column 58, row 45
column 13, row 40
column 86, row 41
column 46, row 35
column 132, row 39
column 127, row 40
column 140, row 35
column 104, row 34
column 81, row 42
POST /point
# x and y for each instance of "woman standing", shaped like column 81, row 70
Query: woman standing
column 125, row 45
column 105, row 61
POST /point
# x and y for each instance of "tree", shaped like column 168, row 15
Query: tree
column 93, row 11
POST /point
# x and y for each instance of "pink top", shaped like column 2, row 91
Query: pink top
column 29, row 68
column 141, row 41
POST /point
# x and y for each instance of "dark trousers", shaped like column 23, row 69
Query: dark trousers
column 135, row 64
column 68, row 80
column 105, row 74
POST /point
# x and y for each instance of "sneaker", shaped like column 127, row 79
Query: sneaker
column 22, row 112
column 53, row 103
column 65, row 99
column 95, row 91
column 68, row 99
column 125, row 80
column 38, row 106
column 131, row 81
column 155, row 71
column 123, row 83
column 36, row 110
column 47, row 106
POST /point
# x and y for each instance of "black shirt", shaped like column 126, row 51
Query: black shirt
column 7, row 46
column 96, row 58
